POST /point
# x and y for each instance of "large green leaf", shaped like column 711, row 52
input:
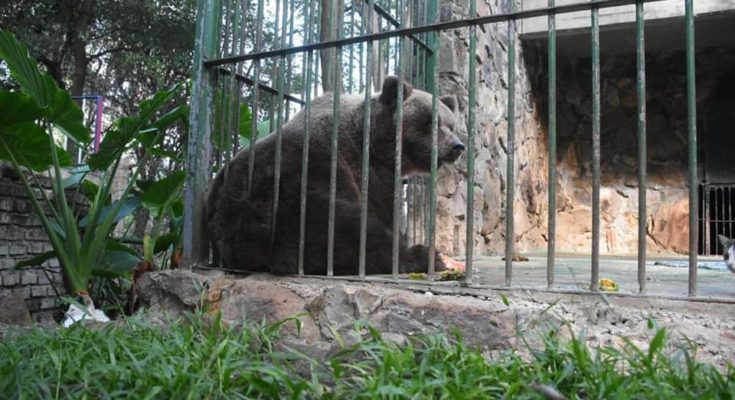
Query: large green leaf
column 58, row 106
column 179, row 113
column 129, row 205
column 18, row 108
column 29, row 145
column 75, row 177
column 37, row 260
column 114, row 143
column 163, row 191
column 165, row 242
column 116, row 264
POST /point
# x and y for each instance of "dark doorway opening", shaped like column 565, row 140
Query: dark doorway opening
column 717, row 193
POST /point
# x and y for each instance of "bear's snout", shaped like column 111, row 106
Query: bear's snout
column 456, row 147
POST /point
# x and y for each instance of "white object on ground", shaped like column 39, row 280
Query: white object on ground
column 77, row 313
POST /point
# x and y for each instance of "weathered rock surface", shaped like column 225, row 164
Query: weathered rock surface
column 666, row 127
column 13, row 310
column 337, row 311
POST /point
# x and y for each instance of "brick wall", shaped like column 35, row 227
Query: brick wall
column 22, row 237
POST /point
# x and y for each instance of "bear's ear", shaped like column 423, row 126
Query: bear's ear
column 725, row 241
column 450, row 101
column 390, row 90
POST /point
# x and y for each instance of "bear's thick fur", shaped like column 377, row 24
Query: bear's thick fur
column 239, row 223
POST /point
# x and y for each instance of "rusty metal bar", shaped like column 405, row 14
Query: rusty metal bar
column 692, row 131
column 471, row 127
column 551, row 252
column 510, row 164
column 365, row 145
column 256, row 96
column 307, row 72
column 596, row 181
column 642, row 157
column 334, row 142
column 397, row 178
column 280, row 79
column 199, row 147
column 432, row 84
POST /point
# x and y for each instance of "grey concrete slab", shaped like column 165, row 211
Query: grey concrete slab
column 573, row 272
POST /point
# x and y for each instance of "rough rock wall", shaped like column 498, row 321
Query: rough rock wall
column 667, row 190
column 490, row 141
column 667, row 193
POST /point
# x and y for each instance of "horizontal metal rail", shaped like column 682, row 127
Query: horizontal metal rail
column 383, row 13
column 262, row 86
column 539, row 12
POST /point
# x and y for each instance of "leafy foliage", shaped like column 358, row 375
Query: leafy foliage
column 200, row 357
column 82, row 243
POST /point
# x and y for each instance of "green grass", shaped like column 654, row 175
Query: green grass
column 200, row 358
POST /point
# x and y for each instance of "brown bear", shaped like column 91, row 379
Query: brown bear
column 240, row 222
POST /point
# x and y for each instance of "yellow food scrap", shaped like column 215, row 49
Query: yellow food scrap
column 417, row 276
column 450, row 275
column 608, row 285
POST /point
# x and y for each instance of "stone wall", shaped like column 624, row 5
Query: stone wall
column 667, row 194
column 21, row 238
column 530, row 212
column 667, row 190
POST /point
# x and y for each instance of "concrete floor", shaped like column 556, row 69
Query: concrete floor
column 573, row 272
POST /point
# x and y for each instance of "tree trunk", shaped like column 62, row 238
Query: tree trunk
column 81, row 16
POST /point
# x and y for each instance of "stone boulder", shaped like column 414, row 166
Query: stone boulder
column 336, row 313
column 329, row 312
column 13, row 310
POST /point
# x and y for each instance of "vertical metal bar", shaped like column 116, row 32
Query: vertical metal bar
column 240, row 20
column 366, row 145
column 226, row 32
column 379, row 55
column 471, row 109
column 234, row 85
column 307, row 72
column 433, row 72
column 256, row 93
column 720, row 210
column 289, row 62
column 706, row 221
column 361, row 64
column 729, row 213
column 351, row 84
column 692, row 129
column 510, row 165
column 397, row 178
column 199, row 149
column 280, row 79
column 596, row 181
column 219, row 105
column 333, row 19
column 409, row 213
column 642, row 158
column 551, row 253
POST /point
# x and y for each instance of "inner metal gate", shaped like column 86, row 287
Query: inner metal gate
column 231, row 58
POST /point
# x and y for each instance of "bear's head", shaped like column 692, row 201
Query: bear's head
column 729, row 246
column 417, row 127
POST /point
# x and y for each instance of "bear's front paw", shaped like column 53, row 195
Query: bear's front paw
column 417, row 260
